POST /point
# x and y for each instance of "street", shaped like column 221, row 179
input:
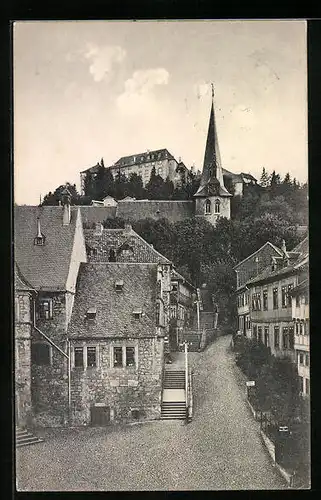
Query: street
column 220, row 449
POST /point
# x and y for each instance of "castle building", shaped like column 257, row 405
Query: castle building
column 212, row 200
column 166, row 166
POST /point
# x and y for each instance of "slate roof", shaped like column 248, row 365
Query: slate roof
column 45, row 267
column 302, row 250
column 277, row 250
column 172, row 210
column 118, row 239
column 114, row 316
column 20, row 283
column 235, row 177
column 92, row 170
column 159, row 154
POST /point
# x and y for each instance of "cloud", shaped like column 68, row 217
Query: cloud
column 138, row 89
column 103, row 59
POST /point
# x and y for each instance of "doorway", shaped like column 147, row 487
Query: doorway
column 100, row 416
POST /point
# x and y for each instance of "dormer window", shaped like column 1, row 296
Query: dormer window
column 119, row 285
column 174, row 287
column 39, row 240
column 208, row 207
column 91, row 313
column 112, row 255
column 137, row 313
column 45, row 309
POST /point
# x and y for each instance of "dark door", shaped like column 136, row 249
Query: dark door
column 100, row 416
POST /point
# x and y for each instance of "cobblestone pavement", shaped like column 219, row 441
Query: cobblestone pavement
column 220, row 449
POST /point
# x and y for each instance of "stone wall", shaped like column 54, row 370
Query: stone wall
column 49, row 386
column 121, row 389
column 225, row 208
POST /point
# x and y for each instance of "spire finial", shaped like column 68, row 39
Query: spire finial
column 212, row 85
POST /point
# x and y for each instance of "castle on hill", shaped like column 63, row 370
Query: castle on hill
column 211, row 201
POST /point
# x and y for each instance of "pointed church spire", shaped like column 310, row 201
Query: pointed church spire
column 212, row 176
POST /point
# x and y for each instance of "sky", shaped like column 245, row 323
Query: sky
column 86, row 90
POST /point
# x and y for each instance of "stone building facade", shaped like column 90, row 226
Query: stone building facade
column 182, row 308
column 23, row 320
column 117, row 343
column 49, row 247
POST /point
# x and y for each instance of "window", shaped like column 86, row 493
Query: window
column 266, row 336
column 217, row 207
column 275, row 298
column 259, row 333
column 45, row 309
column 307, row 386
column 276, row 337
column 246, row 298
column 172, row 312
column 91, row 313
column 284, row 296
column 291, row 337
column 285, row 338
column 255, row 331
column 137, row 314
column 208, row 207
column 160, row 171
column 289, row 297
column 112, row 255
column 301, row 384
column 40, row 354
column 119, row 285
column 297, row 328
column 297, row 301
column 174, row 287
column 301, row 357
column 248, row 322
column 307, row 359
column 39, row 240
column 79, row 357
column 265, row 300
column 118, row 356
column 130, row 356
column 301, row 328
column 91, row 357
column 258, row 301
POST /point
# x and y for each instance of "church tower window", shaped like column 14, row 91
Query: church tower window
column 217, row 206
column 208, row 207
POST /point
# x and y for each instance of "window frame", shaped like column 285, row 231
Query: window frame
column 275, row 298
column 276, row 336
column 265, row 300
column 123, row 349
column 208, row 207
column 217, row 204
column 40, row 308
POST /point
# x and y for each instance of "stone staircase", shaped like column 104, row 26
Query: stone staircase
column 24, row 438
column 174, row 398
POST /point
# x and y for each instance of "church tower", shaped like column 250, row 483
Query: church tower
column 212, row 200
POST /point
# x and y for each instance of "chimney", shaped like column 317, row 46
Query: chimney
column 283, row 248
column 98, row 229
column 127, row 228
column 179, row 159
column 273, row 261
column 39, row 235
column 66, row 215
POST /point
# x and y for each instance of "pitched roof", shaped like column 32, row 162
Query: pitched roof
column 302, row 251
column 155, row 209
column 118, row 239
column 179, row 277
column 235, row 177
column 45, row 267
column 275, row 248
column 147, row 156
column 20, row 283
column 92, row 170
column 248, row 176
column 114, row 310
column 212, row 182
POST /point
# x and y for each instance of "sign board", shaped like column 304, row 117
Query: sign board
column 250, row 383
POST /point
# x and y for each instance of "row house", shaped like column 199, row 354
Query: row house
column 182, row 308
column 300, row 316
column 49, row 247
column 245, row 270
column 270, row 300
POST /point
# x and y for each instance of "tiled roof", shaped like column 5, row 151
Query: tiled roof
column 301, row 287
column 235, row 177
column 114, row 316
column 248, row 176
column 91, row 214
column 147, row 156
column 155, row 209
column 47, row 266
column 179, row 277
column 118, row 240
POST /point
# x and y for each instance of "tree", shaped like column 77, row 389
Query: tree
column 56, row 197
column 135, row 186
column 264, row 179
column 155, row 186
